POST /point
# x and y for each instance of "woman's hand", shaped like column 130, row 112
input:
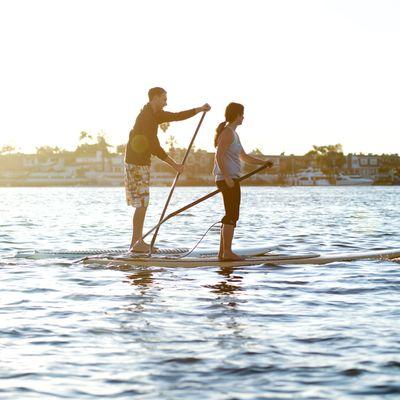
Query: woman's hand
column 229, row 182
column 269, row 164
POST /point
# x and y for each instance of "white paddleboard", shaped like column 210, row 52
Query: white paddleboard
column 269, row 259
column 181, row 252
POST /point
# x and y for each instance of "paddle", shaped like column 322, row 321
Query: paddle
column 201, row 199
column 173, row 185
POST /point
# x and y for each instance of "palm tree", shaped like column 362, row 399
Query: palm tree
column 84, row 135
column 171, row 143
column 102, row 143
column 103, row 146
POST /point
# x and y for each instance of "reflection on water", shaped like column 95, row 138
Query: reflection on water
column 73, row 331
column 229, row 284
column 142, row 278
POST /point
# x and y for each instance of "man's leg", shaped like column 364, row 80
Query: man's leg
column 137, row 178
column 137, row 242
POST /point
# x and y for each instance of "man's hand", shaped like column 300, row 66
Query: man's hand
column 204, row 108
column 179, row 168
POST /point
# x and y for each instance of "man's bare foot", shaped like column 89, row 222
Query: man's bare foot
column 230, row 257
column 141, row 247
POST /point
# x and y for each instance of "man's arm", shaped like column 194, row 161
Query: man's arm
column 159, row 152
column 156, row 149
column 177, row 167
column 166, row 116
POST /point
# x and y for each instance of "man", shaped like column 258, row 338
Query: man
column 143, row 142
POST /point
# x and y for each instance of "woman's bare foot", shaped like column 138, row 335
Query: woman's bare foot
column 230, row 257
column 141, row 247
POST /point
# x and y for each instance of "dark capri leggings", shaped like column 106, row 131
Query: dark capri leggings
column 231, row 198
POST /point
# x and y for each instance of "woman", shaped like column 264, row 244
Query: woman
column 227, row 168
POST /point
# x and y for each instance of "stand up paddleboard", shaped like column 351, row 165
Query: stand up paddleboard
column 269, row 259
column 176, row 252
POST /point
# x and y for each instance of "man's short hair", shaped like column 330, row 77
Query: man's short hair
column 156, row 91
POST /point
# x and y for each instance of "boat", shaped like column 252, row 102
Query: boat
column 311, row 177
column 265, row 259
column 353, row 180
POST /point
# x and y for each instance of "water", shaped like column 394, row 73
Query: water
column 85, row 332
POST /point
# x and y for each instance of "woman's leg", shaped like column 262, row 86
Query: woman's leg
column 221, row 244
column 227, row 236
column 231, row 198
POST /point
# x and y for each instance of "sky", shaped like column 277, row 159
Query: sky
column 308, row 72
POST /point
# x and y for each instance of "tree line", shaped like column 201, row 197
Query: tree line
column 329, row 159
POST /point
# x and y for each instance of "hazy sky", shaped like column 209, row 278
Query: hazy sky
column 308, row 72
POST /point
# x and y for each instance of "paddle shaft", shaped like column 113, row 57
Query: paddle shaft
column 201, row 199
column 153, row 240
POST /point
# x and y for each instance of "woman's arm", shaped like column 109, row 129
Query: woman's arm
column 248, row 159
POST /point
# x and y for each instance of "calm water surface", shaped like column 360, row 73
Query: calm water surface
column 69, row 330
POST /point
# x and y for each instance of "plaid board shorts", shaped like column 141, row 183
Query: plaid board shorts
column 137, row 179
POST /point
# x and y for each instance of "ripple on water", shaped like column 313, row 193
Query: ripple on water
column 316, row 332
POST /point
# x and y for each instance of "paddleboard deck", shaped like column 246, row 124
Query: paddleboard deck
column 269, row 259
column 181, row 252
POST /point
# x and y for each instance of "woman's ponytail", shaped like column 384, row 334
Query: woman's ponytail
column 219, row 130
